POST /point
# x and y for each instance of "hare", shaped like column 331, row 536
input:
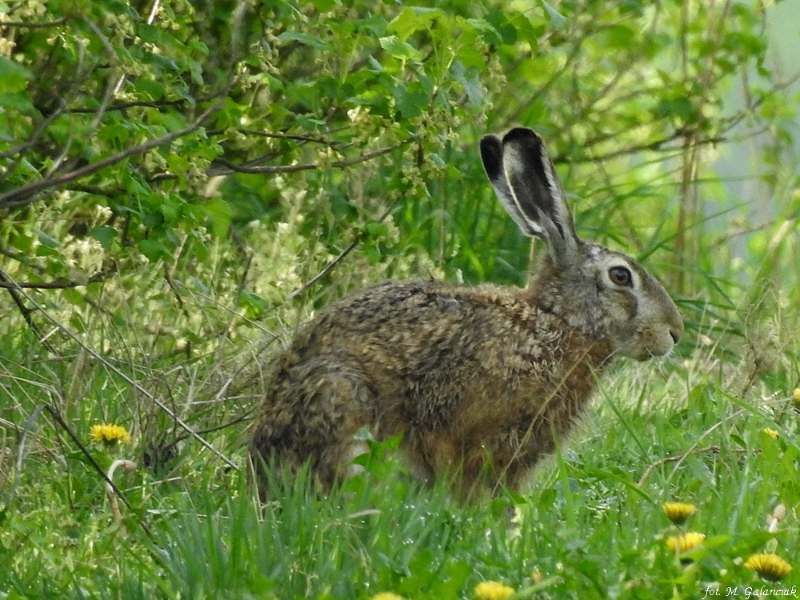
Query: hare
column 479, row 381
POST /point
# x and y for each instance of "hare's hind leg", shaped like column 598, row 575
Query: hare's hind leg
column 311, row 415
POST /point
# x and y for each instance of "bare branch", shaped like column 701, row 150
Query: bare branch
column 112, row 87
column 270, row 169
column 296, row 138
column 657, row 145
column 8, row 283
column 5, row 283
column 25, row 195
column 145, row 104
column 16, row 295
column 41, row 25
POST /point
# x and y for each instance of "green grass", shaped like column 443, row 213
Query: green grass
column 591, row 524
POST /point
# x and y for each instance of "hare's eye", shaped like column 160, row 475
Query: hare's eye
column 620, row 276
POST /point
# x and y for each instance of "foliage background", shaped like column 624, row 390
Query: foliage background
column 183, row 183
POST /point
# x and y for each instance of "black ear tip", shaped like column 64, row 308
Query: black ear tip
column 492, row 154
column 522, row 134
column 491, row 143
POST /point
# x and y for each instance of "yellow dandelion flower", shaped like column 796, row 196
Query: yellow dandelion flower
column 771, row 433
column 109, row 434
column 685, row 542
column 678, row 512
column 796, row 396
column 493, row 590
column 769, row 566
column 386, row 596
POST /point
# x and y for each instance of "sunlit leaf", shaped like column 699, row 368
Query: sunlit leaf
column 398, row 49
column 303, row 38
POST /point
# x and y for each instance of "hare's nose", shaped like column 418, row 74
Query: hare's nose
column 675, row 335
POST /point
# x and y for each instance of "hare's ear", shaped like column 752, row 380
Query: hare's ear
column 492, row 156
column 525, row 180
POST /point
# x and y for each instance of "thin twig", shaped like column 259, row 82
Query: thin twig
column 336, row 261
column 656, row 145
column 111, row 88
column 59, row 284
column 293, row 137
column 23, row 438
column 679, row 458
column 141, row 103
column 60, row 420
column 135, row 384
column 326, row 269
column 13, row 290
column 223, row 335
column 243, row 417
column 40, row 25
column 174, row 289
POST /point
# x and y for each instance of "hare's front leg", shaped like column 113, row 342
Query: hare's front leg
column 505, row 459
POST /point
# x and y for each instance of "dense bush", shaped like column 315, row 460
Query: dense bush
column 241, row 147
column 182, row 183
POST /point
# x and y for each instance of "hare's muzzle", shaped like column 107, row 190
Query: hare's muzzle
column 658, row 339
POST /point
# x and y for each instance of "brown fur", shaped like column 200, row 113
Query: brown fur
column 425, row 377
column 478, row 381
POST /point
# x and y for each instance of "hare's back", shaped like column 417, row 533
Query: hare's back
column 420, row 321
column 430, row 338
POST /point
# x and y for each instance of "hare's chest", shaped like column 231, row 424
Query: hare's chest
column 532, row 351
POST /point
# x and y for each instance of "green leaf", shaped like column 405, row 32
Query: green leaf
column 556, row 18
column 506, row 29
column 324, row 5
column 152, row 88
column 173, row 121
column 196, row 70
column 199, row 47
column 254, row 303
column 374, row 65
column 620, row 36
column 411, row 20
column 171, row 210
column 376, row 26
column 75, row 298
column 398, row 49
column 113, row 132
column 104, row 235
column 154, row 250
column 377, row 229
column 46, row 240
column 220, row 213
column 149, row 33
column 22, row 242
column 304, row 38
column 469, row 80
column 411, row 102
column 487, row 31
column 20, row 101
column 681, row 108
column 13, row 77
